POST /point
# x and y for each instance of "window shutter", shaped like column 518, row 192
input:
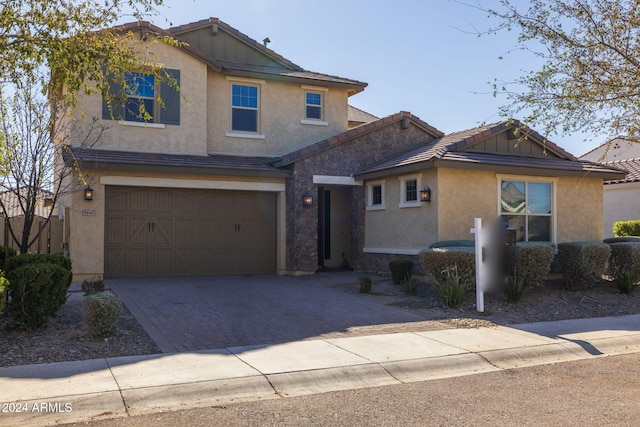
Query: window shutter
column 170, row 94
column 117, row 112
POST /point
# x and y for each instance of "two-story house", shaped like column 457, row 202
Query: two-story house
column 250, row 164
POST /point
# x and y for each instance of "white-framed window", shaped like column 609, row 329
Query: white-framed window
column 375, row 195
column 313, row 105
column 245, row 104
column 140, row 99
column 410, row 191
column 527, row 204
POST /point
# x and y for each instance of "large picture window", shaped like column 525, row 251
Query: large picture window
column 244, row 108
column 527, row 206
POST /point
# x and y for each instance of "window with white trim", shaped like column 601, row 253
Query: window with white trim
column 375, row 196
column 409, row 193
column 313, row 105
column 244, row 108
column 527, row 206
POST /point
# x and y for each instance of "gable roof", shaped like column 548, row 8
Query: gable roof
column 456, row 150
column 257, row 61
column 351, row 134
column 631, row 166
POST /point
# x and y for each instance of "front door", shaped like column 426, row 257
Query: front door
column 334, row 226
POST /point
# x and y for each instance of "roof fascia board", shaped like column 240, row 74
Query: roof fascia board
column 294, row 79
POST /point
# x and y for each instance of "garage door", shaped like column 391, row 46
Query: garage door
column 182, row 232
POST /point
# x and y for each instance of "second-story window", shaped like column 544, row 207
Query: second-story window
column 313, row 102
column 140, row 102
column 244, row 108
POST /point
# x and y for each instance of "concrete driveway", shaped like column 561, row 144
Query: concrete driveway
column 200, row 313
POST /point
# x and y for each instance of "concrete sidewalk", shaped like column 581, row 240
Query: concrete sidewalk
column 66, row 392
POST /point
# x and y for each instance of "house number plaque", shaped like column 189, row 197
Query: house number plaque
column 88, row 212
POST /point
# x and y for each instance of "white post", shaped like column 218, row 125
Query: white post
column 479, row 238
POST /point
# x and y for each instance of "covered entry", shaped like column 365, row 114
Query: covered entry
column 151, row 232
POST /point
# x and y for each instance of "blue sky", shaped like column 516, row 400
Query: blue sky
column 416, row 55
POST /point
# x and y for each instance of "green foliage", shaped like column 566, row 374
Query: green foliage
column 400, row 270
column 436, row 262
column 531, row 261
column 12, row 253
column 451, row 289
column 365, row 284
column 627, row 282
column 24, row 259
column 588, row 80
column 583, row 263
column 625, row 258
column 100, row 312
column 622, row 239
column 4, row 290
column 514, row 287
column 92, row 286
column 410, row 285
column 37, row 292
column 453, row 244
column 626, row 228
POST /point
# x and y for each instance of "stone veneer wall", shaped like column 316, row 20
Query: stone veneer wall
column 343, row 159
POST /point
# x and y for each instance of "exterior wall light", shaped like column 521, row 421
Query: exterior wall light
column 88, row 193
column 307, row 199
column 425, row 195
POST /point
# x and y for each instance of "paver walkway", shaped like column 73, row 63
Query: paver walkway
column 196, row 313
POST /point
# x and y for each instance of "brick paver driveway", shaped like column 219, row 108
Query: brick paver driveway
column 186, row 314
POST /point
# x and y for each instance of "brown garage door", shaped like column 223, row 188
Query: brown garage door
column 183, row 232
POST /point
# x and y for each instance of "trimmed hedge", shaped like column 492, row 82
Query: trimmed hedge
column 627, row 228
column 12, row 253
column 531, row 261
column 622, row 239
column 437, row 261
column 100, row 312
column 24, row 259
column 583, row 263
column 37, row 292
column 400, row 270
column 625, row 258
column 453, row 244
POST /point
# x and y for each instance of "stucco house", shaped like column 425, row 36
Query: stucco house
column 258, row 166
column 621, row 200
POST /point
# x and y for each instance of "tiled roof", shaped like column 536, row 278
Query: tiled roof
column 451, row 148
column 632, row 166
column 233, row 165
column 354, row 133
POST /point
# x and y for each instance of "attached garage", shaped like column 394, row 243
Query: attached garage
column 188, row 232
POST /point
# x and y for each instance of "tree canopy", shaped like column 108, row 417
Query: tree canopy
column 590, row 77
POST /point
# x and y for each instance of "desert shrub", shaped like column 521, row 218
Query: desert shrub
column 365, row 284
column 451, row 289
column 531, row 261
column 100, row 313
column 4, row 289
column 410, row 285
column 627, row 228
column 625, row 257
column 438, row 261
column 400, row 270
column 582, row 263
column 92, row 286
column 37, row 292
column 3, row 252
column 453, row 244
column 627, row 282
column 514, row 286
column 23, row 259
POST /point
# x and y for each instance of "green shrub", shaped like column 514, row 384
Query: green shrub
column 37, row 292
column 400, row 270
column 627, row 228
column 627, row 282
column 583, row 263
column 438, row 261
column 514, row 287
column 451, row 289
column 625, row 258
column 531, row 261
column 23, row 259
column 622, row 239
column 365, row 284
column 410, row 285
column 92, row 286
column 100, row 313
column 4, row 289
column 453, row 244
column 12, row 253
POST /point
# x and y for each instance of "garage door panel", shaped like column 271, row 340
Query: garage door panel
column 178, row 232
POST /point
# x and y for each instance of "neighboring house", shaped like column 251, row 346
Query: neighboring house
column 622, row 195
column 257, row 166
